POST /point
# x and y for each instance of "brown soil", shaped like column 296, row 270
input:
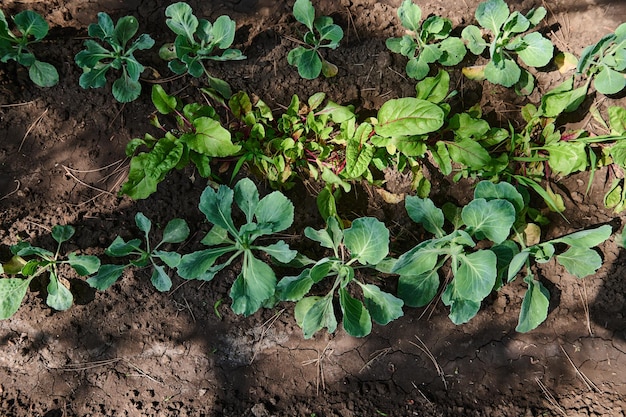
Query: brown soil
column 132, row 351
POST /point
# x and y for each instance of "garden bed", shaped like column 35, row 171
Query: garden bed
column 134, row 351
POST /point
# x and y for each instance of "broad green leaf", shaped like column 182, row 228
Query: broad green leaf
column 279, row 251
column 504, row 72
column 358, row 158
column 43, row 74
column 468, row 152
column 160, row 279
column 505, row 253
column 193, row 265
column 84, row 264
column 316, row 313
column 567, row 157
column 12, row 292
column 535, row 16
column 580, row 261
column 492, row 14
column 176, row 231
column 617, row 120
column 223, row 32
column 31, row 24
column 587, row 238
column 461, row 310
column 476, row 275
column 608, row 81
column 517, row 263
column 356, row 319
column 119, row 247
column 181, row 20
column 171, row 259
column 276, row 211
column 143, row 223
column 164, row 103
column 104, row 28
column 368, row 240
column 423, row 211
column 59, row 296
column 125, row 89
column 418, row 290
column 563, row 99
column 475, row 42
column 253, row 286
column 293, row 288
column 107, row 275
column 304, row 12
column 534, row 307
column 466, row 126
column 516, row 23
column 410, row 15
column 308, row 62
column 247, row 197
column 332, row 33
column 503, row 190
column 418, row 260
column 434, row 89
column 417, row 68
column 26, row 249
column 407, row 117
column 217, row 207
column 330, row 237
column 492, row 219
column 538, row 50
column 382, row 306
column 125, row 29
column 62, row 233
column 453, row 51
column 210, row 138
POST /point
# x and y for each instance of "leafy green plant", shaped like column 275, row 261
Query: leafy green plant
column 198, row 40
column 506, row 41
column 96, row 60
column 323, row 33
column 256, row 283
column 32, row 261
column 486, row 249
column 425, row 42
column 605, row 62
column 176, row 231
column 197, row 137
column 33, row 28
column 365, row 242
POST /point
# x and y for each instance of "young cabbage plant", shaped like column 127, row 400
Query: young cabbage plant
column 323, row 33
column 197, row 137
column 507, row 40
column 96, row 60
column 198, row 40
column 605, row 62
column 176, row 231
column 365, row 244
column 256, row 283
column 485, row 250
column 425, row 42
column 32, row 261
column 33, row 28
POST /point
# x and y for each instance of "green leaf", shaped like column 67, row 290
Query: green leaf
column 25, row 249
column 216, row 236
column 503, row 71
column 43, row 74
column 538, row 51
column 567, row 157
column 617, row 120
column 119, row 248
column 62, row 233
column 293, row 288
column 476, row 275
column 468, row 152
column 517, row 263
column 475, row 42
column 534, row 307
column 356, row 319
column 330, row 238
column 253, row 286
column 418, row 290
column 223, row 32
column 492, row 219
column 418, row 260
column 382, row 306
column 434, row 89
column 164, row 103
column 194, row 265
column 176, row 231
column 125, row 29
column 279, row 251
column 31, row 24
column 125, row 89
column 308, row 62
column 503, row 190
column 368, row 240
column 315, row 313
column 453, row 51
column 580, row 261
column 160, row 279
column 587, row 238
column 304, row 13
column 424, row 212
column 608, row 81
column 276, row 211
column 12, row 292
column 59, row 296
column 181, row 20
column 143, row 223
column 417, row 68
column 216, row 206
column 85, row 264
column 492, row 14
column 461, row 310
column 247, row 197
column 563, row 99
column 107, row 275
column 407, row 117
column 410, row 15
column 210, row 138
column 358, row 158
column 171, row 259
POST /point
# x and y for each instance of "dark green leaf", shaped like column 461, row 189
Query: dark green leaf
column 107, row 275
column 382, row 306
column 160, row 279
column 85, row 264
column 534, row 307
column 356, row 319
column 12, row 292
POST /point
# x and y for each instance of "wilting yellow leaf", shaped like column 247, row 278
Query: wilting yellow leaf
column 390, row 198
column 565, row 62
column 477, row 72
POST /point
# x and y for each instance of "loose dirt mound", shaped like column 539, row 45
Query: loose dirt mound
column 135, row 352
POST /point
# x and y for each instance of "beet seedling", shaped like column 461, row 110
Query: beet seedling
column 96, row 60
column 13, row 47
column 323, row 33
column 31, row 261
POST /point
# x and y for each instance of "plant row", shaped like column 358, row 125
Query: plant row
column 472, row 251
